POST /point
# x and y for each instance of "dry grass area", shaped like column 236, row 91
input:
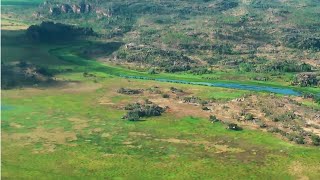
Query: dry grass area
column 268, row 112
column 8, row 23
column 89, row 126
column 48, row 137
column 298, row 169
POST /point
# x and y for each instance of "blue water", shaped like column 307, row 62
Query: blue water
column 284, row 91
column 6, row 107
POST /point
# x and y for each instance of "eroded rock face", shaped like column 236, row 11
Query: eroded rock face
column 87, row 8
column 66, row 8
column 76, row 9
column 102, row 13
column 57, row 9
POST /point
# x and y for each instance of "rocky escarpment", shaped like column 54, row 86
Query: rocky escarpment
column 64, row 8
column 53, row 8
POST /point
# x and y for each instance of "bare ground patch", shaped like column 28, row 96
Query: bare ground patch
column 300, row 170
column 78, row 124
column 209, row 146
column 49, row 138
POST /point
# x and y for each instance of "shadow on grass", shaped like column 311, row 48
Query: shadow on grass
column 23, row 72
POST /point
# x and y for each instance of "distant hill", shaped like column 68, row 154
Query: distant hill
column 202, row 33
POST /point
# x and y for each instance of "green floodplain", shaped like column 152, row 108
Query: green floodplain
column 71, row 127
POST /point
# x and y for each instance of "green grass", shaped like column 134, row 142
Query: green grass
column 65, row 58
column 312, row 104
column 145, row 157
column 21, row 2
column 90, row 65
column 107, row 147
column 167, row 147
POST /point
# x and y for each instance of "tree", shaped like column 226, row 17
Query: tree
column 165, row 95
column 213, row 118
column 233, row 126
column 137, row 110
column 133, row 115
column 152, row 71
column 315, row 140
column 299, row 140
column 248, row 117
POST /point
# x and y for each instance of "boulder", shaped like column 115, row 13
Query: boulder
column 66, row 8
column 76, row 9
column 87, row 8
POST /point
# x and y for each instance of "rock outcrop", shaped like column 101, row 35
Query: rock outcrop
column 57, row 9
column 65, row 8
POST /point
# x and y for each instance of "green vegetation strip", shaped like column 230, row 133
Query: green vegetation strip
column 21, row 2
column 86, row 65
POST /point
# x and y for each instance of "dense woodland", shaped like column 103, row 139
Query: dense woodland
column 55, row 32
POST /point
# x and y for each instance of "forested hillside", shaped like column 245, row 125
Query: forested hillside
column 175, row 35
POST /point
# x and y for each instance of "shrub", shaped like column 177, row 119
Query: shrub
column 203, row 102
column 299, row 140
column 175, row 68
column 132, row 106
column 273, row 130
column 200, row 71
column 147, row 101
column 165, row 95
column 246, row 67
column 263, row 125
column 129, row 91
column 175, row 90
column 315, row 140
column 152, row 71
column 133, row 116
column 306, row 79
column 248, row 117
column 22, row 64
column 276, row 119
column 154, row 90
column 44, row 71
column 234, row 127
column 53, row 32
column 205, row 108
column 284, row 66
column 137, row 110
column 213, row 118
column 192, row 99
column 302, row 41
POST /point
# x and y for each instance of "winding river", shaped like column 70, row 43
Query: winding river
column 284, row 91
column 91, row 65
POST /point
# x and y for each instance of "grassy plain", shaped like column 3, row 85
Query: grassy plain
column 76, row 131
column 73, row 129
